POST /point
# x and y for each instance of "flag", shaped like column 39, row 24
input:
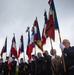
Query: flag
column 50, row 30
column 37, row 37
column 21, row 48
column 4, row 49
column 44, row 29
column 31, row 44
column 28, row 48
column 54, row 14
column 13, row 47
column 49, row 1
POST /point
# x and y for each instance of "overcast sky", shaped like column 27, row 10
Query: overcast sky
column 16, row 15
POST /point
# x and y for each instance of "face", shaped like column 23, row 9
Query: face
column 53, row 52
column 46, row 52
column 39, row 54
column 21, row 60
column 33, row 57
column 66, row 43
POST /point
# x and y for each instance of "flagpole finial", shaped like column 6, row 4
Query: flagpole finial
column 36, row 17
column 27, row 29
column 44, row 10
column 14, row 34
column 6, row 36
column 49, row 2
column 22, row 34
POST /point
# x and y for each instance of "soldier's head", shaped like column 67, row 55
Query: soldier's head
column 21, row 60
column 13, row 58
column 33, row 56
column 7, row 58
column 53, row 51
column 46, row 52
column 39, row 54
column 66, row 43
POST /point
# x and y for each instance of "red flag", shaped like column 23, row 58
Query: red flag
column 13, row 47
column 50, row 30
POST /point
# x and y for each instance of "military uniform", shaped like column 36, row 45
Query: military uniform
column 1, row 67
column 13, row 68
column 32, row 67
column 40, row 66
column 48, row 69
column 26, row 68
column 69, row 60
column 6, row 69
column 21, row 69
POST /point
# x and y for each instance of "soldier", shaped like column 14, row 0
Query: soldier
column 56, row 63
column 47, row 57
column 32, row 64
column 26, row 68
column 1, row 67
column 13, row 66
column 40, row 64
column 68, row 56
column 21, row 67
column 6, row 69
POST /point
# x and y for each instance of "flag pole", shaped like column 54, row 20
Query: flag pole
column 51, row 44
column 35, row 50
column 24, row 51
column 64, row 65
column 6, row 46
column 35, row 62
column 52, row 54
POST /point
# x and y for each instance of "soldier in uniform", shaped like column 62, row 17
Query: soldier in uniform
column 21, row 67
column 26, row 68
column 33, row 64
column 40, row 66
column 6, row 68
column 13, row 66
column 1, row 67
column 68, row 56
column 56, row 63
column 47, row 57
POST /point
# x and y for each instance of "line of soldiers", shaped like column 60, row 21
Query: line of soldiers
column 5, row 70
column 38, row 65
column 42, row 64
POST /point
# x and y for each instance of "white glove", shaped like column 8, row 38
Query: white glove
column 62, row 46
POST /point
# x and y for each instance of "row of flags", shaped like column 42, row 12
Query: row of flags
column 50, row 25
